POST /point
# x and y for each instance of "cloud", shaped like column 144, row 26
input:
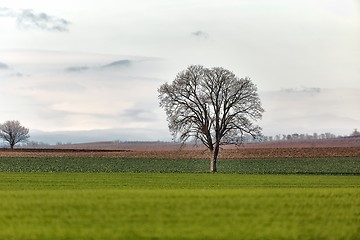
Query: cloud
column 19, row 75
column 11, row 72
column 6, row 12
column 116, row 64
column 139, row 115
column 310, row 110
column 28, row 19
column 77, row 69
column 86, row 91
column 200, row 34
column 3, row 66
column 303, row 90
column 113, row 65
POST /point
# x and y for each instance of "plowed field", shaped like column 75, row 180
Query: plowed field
column 239, row 153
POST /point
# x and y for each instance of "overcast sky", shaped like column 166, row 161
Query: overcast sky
column 90, row 65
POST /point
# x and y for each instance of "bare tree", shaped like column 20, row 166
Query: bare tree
column 211, row 105
column 355, row 133
column 13, row 133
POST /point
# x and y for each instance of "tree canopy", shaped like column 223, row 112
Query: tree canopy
column 13, row 133
column 211, row 105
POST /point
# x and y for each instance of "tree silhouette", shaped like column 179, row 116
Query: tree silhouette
column 211, row 105
column 13, row 133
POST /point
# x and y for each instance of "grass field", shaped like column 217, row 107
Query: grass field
column 178, row 206
column 331, row 165
column 137, row 198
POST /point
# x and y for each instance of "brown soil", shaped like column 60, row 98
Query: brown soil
column 340, row 147
column 239, row 153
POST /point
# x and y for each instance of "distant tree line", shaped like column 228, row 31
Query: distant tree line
column 298, row 137
column 355, row 133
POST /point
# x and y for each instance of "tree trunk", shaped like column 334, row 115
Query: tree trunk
column 213, row 159
column 212, row 163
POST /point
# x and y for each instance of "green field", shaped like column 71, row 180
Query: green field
column 349, row 165
column 178, row 206
column 135, row 198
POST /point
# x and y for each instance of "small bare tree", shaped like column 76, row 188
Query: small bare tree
column 211, row 105
column 355, row 133
column 13, row 133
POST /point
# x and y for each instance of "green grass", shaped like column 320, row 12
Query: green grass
column 178, row 206
column 349, row 165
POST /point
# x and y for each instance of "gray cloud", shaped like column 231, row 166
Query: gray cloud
column 6, row 12
column 13, row 73
column 304, row 90
column 308, row 110
column 77, row 69
column 28, row 19
column 200, row 34
column 116, row 64
column 19, row 75
column 3, row 66
column 113, row 65
column 139, row 115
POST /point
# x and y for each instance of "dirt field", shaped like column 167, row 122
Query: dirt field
column 344, row 147
column 239, row 153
